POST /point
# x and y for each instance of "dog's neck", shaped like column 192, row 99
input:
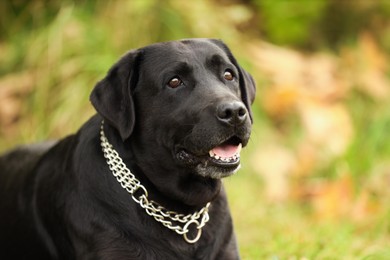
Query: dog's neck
column 173, row 186
column 175, row 221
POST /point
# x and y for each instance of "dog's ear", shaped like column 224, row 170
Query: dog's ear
column 112, row 96
column 247, row 88
column 247, row 84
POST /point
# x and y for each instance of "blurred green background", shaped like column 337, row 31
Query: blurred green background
column 315, row 182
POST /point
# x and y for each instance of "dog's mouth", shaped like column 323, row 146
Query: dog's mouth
column 220, row 161
column 227, row 153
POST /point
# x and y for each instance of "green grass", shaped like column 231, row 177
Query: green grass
column 289, row 231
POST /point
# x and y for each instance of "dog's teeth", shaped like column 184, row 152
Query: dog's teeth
column 224, row 159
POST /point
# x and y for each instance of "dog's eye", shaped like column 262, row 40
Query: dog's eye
column 228, row 75
column 175, row 82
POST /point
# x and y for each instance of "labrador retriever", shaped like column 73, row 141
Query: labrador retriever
column 142, row 178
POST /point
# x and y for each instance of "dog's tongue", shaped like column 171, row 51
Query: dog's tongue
column 226, row 150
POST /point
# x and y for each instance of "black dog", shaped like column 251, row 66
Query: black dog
column 142, row 179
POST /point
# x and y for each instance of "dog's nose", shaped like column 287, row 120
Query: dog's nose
column 233, row 113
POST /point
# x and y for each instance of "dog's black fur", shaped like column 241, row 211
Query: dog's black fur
column 60, row 200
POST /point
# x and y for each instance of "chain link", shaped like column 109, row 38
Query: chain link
column 174, row 221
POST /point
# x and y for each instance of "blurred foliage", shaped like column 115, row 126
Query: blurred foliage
column 322, row 24
column 316, row 175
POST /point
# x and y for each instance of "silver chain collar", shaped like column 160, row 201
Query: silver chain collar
column 170, row 219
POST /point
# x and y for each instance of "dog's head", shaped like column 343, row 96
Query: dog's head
column 183, row 107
